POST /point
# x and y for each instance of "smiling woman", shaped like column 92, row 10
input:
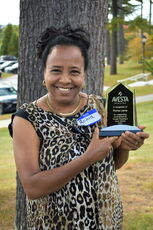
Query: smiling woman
column 64, row 80
column 68, row 173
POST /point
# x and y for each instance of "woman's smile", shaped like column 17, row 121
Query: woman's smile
column 64, row 74
column 64, row 89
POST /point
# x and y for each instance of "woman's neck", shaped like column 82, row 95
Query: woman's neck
column 64, row 109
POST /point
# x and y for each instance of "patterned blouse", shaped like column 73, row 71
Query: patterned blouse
column 91, row 200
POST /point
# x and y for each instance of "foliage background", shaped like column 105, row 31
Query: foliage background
column 9, row 36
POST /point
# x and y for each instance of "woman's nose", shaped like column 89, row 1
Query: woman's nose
column 65, row 78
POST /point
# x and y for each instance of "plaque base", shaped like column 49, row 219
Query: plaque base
column 117, row 130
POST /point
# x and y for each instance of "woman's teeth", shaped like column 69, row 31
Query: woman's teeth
column 64, row 89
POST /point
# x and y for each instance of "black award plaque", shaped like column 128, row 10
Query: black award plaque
column 121, row 111
column 120, row 106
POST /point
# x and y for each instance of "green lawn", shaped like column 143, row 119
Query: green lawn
column 139, row 221
column 7, row 181
column 6, row 75
column 145, row 114
column 5, row 116
column 128, row 69
column 136, row 176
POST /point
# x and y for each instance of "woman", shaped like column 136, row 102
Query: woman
column 67, row 171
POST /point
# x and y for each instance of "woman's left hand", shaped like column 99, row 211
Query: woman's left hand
column 132, row 141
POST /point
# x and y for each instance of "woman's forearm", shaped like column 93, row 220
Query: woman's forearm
column 120, row 157
column 45, row 182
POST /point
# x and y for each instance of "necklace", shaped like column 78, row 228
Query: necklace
column 62, row 114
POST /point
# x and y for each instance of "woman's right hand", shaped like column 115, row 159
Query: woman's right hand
column 99, row 147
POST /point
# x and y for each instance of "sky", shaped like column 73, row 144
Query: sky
column 9, row 11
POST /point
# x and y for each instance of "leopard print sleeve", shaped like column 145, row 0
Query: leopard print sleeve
column 25, row 111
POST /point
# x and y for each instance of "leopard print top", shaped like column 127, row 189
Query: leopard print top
column 91, row 200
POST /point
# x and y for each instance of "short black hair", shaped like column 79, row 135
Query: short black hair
column 63, row 36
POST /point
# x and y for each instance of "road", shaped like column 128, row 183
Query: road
column 145, row 98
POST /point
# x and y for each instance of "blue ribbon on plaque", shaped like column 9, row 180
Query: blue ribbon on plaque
column 117, row 130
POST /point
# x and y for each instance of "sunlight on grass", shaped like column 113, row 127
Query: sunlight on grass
column 5, row 75
column 126, row 70
column 145, row 114
column 143, row 90
column 5, row 116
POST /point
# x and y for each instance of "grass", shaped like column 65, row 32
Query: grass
column 135, row 177
column 140, row 221
column 128, row 69
column 7, row 181
column 5, row 116
column 4, row 75
column 135, row 180
column 144, row 114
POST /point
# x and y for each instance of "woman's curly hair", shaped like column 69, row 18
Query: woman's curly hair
column 63, row 36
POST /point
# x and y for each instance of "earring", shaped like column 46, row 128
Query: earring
column 43, row 83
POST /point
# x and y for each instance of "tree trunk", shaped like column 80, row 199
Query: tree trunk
column 142, row 9
column 20, row 206
column 121, row 45
column 108, row 46
column 114, row 53
column 150, row 15
column 35, row 16
column 120, row 38
column 113, row 69
column 142, row 17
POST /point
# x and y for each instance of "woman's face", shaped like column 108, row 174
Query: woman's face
column 64, row 73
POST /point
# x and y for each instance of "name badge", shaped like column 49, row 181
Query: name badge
column 89, row 118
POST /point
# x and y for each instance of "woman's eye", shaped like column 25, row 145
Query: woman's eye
column 55, row 71
column 75, row 72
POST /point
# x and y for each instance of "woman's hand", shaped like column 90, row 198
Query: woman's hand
column 132, row 141
column 99, row 147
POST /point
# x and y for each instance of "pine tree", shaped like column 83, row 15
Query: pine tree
column 13, row 45
column 6, row 39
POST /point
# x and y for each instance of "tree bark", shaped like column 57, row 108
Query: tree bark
column 113, row 69
column 121, row 44
column 108, row 46
column 150, row 15
column 35, row 17
column 120, row 38
column 20, row 206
